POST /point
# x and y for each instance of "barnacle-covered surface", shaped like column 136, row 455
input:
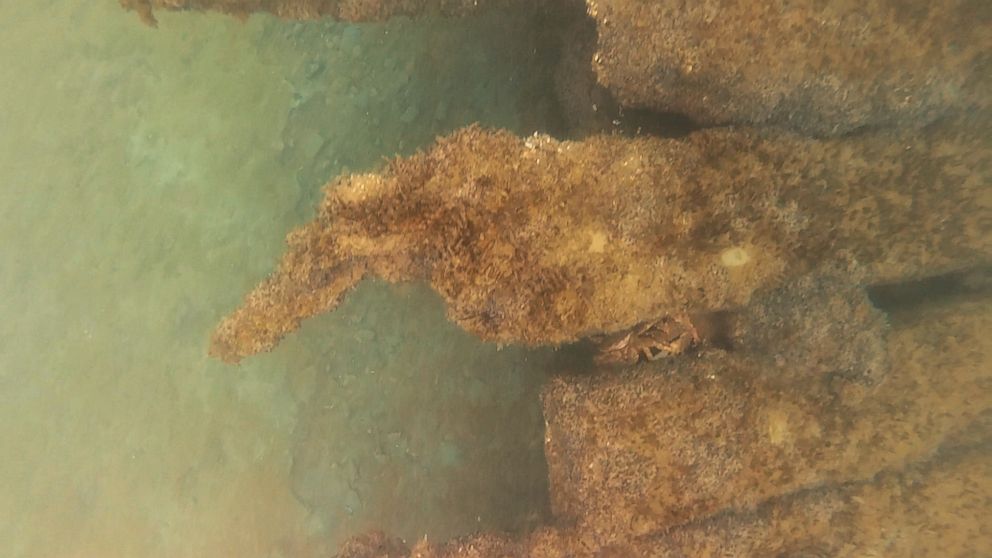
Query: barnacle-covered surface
column 734, row 455
column 818, row 67
column 345, row 10
column 544, row 242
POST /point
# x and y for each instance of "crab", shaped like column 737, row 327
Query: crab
column 651, row 340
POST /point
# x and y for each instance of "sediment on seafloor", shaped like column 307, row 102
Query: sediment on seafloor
column 344, row 10
column 822, row 68
column 728, row 454
column 544, row 242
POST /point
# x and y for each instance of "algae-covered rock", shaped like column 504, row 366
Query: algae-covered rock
column 819, row 67
column 543, row 242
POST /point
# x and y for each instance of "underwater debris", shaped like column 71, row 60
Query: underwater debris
column 543, row 242
column 822, row 68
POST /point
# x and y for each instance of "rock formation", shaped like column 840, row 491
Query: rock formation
column 544, row 242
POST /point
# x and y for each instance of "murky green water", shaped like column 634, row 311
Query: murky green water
column 149, row 177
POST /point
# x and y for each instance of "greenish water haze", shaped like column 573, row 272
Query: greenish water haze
column 149, row 178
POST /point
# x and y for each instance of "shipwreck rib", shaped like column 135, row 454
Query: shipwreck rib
column 543, row 242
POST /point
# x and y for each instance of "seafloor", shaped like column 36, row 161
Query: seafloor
column 150, row 177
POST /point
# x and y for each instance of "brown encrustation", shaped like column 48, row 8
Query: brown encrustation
column 931, row 509
column 668, row 443
column 727, row 455
column 818, row 67
column 543, row 242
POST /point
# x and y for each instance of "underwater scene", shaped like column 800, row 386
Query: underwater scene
column 495, row 278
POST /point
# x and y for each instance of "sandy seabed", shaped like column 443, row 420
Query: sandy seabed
column 150, row 178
